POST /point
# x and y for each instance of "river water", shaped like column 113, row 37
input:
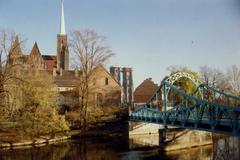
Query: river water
column 113, row 148
column 122, row 148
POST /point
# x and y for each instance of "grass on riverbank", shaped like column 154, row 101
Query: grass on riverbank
column 96, row 116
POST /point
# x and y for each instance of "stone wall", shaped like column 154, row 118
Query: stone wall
column 174, row 138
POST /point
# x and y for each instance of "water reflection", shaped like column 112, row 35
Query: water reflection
column 88, row 149
column 199, row 153
column 141, row 140
column 120, row 148
column 226, row 148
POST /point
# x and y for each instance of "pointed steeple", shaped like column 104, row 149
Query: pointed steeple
column 62, row 28
column 62, row 45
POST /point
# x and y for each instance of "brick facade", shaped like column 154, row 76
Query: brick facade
column 144, row 91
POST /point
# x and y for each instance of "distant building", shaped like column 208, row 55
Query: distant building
column 144, row 91
column 106, row 89
column 32, row 60
column 50, row 62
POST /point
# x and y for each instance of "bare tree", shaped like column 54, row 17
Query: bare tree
column 8, row 47
column 176, row 68
column 90, row 50
column 233, row 77
column 214, row 77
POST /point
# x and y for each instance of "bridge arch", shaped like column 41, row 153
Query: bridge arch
column 176, row 76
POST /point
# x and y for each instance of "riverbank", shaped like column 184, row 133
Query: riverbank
column 36, row 142
column 105, row 127
column 102, row 148
column 117, row 147
column 71, row 135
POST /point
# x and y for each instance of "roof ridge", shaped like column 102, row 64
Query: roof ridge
column 100, row 65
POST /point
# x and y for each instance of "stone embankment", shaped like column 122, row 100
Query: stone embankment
column 34, row 143
column 175, row 138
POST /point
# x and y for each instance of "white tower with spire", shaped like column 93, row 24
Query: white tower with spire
column 62, row 27
column 62, row 44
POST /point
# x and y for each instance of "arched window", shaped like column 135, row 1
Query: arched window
column 106, row 81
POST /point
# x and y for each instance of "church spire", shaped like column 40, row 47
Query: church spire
column 62, row 45
column 62, row 28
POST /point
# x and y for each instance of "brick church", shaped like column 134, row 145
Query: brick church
column 108, row 87
column 44, row 62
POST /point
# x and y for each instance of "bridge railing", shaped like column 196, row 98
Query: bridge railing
column 195, row 112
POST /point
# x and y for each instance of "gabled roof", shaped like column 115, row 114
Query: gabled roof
column 35, row 50
column 104, row 69
column 146, row 87
column 144, row 91
column 67, row 79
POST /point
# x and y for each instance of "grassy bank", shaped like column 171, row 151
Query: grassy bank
column 107, row 122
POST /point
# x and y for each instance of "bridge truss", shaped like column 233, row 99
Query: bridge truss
column 206, row 108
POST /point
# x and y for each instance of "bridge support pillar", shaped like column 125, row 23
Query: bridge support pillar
column 162, row 137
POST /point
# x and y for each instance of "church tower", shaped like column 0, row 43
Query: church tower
column 62, row 45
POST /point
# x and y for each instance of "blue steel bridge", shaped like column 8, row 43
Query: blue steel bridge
column 205, row 109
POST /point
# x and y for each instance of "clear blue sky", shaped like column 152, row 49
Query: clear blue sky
column 148, row 35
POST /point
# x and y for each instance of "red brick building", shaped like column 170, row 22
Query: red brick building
column 144, row 91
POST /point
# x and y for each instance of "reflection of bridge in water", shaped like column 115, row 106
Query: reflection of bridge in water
column 206, row 109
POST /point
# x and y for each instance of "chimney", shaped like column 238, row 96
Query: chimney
column 54, row 72
column 61, row 71
column 76, row 73
column 115, row 72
